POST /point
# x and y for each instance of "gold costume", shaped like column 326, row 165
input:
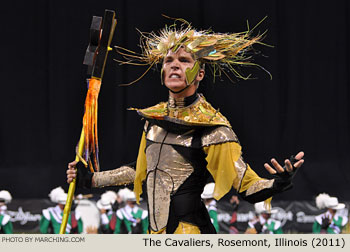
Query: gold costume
column 165, row 167
column 186, row 141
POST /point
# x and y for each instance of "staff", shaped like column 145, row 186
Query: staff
column 101, row 33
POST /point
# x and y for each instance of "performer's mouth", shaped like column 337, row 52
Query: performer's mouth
column 174, row 76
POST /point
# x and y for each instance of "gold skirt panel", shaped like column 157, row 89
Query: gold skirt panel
column 187, row 228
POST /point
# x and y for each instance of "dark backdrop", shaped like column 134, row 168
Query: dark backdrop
column 304, row 107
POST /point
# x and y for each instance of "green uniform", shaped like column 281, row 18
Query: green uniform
column 131, row 221
column 107, row 222
column 272, row 227
column 5, row 224
column 269, row 226
column 52, row 218
column 335, row 227
column 213, row 214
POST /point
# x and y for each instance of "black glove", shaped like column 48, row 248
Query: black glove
column 325, row 223
column 84, row 176
column 258, row 227
column 283, row 180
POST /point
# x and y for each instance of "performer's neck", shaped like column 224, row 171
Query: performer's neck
column 182, row 102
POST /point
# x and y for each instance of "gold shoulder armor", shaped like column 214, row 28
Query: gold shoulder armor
column 217, row 135
column 200, row 113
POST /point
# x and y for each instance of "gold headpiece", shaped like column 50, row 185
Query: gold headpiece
column 220, row 51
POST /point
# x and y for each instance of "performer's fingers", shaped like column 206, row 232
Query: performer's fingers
column 69, row 179
column 300, row 155
column 71, row 172
column 288, row 164
column 72, row 165
column 269, row 168
column 299, row 163
column 277, row 166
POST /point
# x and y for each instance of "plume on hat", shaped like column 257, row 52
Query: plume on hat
column 55, row 194
column 5, row 196
column 110, row 195
column 321, row 200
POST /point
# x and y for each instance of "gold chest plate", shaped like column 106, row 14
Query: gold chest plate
column 167, row 170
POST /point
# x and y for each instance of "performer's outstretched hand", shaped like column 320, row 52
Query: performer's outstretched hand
column 290, row 164
column 283, row 176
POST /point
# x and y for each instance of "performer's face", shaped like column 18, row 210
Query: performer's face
column 174, row 71
column 131, row 203
column 61, row 206
column 332, row 211
column 266, row 216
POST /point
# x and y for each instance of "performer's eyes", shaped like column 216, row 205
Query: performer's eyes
column 184, row 59
column 181, row 59
column 167, row 60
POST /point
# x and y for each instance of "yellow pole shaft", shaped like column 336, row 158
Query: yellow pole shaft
column 71, row 189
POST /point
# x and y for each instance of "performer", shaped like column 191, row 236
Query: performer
column 263, row 223
column 5, row 219
column 131, row 219
column 210, row 204
column 330, row 222
column 104, row 204
column 121, row 197
column 51, row 219
column 186, row 140
column 234, row 201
